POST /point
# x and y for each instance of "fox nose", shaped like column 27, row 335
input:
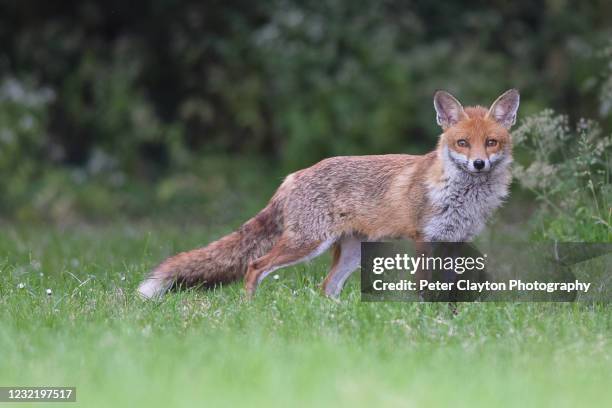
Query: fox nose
column 479, row 164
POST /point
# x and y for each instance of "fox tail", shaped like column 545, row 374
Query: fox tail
column 221, row 261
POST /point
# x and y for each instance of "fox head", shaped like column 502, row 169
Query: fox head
column 476, row 139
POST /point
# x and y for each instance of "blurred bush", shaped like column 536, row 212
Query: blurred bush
column 125, row 95
column 570, row 172
column 23, row 124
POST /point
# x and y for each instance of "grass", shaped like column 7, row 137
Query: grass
column 288, row 346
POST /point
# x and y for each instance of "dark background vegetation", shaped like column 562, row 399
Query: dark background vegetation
column 188, row 108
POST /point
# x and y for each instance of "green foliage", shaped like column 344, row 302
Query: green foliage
column 605, row 94
column 23, row 121
column 135, row 100
column 119, row 119
column 569, row 172
column 214, row 189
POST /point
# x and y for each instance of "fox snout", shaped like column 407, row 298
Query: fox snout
column 473, row 164
column 479, row 165
column 483, row 163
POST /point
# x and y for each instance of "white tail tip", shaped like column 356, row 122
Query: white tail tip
column 153, row 288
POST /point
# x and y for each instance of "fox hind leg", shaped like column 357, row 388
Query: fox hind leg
column 347, row 258
column 286, row 252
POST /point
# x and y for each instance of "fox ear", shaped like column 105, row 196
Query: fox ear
column 448, row 109
column 504, row 109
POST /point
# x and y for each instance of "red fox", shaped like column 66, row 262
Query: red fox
column 445, row 195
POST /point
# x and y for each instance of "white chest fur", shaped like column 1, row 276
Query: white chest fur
column 464, row 202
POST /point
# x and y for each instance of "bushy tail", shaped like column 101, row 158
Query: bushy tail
column 222, row 261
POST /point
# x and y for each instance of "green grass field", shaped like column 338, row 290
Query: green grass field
column 287, row 346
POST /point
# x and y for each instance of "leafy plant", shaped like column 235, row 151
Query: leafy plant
column 569, row 173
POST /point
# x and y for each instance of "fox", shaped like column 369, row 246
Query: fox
column 447, row 195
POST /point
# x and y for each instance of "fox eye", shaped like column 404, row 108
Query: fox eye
column 462, row 143
column 491, row 143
